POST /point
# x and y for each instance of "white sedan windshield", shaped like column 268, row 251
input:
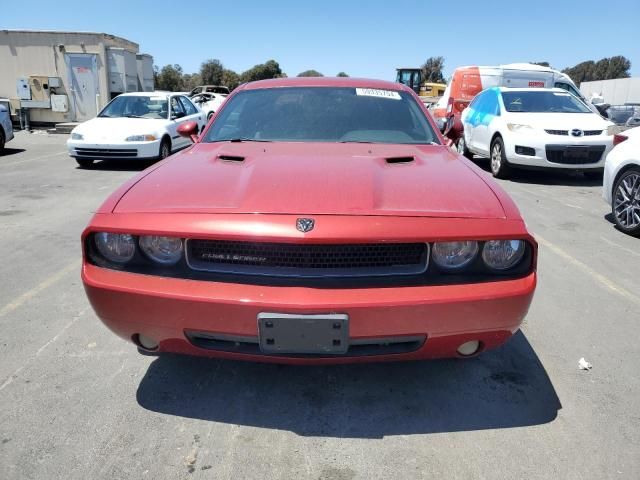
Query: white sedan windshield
column 136, row 107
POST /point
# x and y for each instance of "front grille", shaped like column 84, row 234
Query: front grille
column 106, row 152
column 586, row 133
column 307, row 260
column 574, row 154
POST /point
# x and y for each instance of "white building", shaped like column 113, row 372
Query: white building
column 614, row 92
column 68, row 76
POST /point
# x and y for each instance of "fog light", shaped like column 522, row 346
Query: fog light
column 147, row 342
column 469, row 348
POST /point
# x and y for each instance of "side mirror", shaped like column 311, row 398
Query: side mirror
column 189, row 130
column 177, row 115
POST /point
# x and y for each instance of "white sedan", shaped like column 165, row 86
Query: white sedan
column 534, row 128
column 140, row 125
column 621, row 185
column 209, row 103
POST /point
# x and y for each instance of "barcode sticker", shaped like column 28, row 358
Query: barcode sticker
column 373, row 92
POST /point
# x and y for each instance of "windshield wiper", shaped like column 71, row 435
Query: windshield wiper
column 355, row 141
column 133, row 116
column 240, row 139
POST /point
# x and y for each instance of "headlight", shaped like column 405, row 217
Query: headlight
column 162, row 250
column 518, row 127
column 140, row 138
column 502, row 254
column 454, row 255
column 115, row 247
column 77, row 136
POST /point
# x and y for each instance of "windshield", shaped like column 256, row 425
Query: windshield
column 136, row 106
column 322, row 114
column 543, row 102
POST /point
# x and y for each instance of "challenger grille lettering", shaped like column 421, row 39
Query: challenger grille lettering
column 226, row 257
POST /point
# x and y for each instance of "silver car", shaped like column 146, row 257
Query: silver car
column 6, row 130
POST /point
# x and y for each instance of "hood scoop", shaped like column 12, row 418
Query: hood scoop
column 231, row 158
column 395, row 160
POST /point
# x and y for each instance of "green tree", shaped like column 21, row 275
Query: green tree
column 170, row 78
column 542, row 64
column 604, row 69
column 191, row 81
column 230, row 79
column 342, row 74
column 262, row 71
column 310, row 73
column 211, row 72
column 432, row 70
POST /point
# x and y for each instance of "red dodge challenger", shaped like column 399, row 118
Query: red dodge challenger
column 315, row 220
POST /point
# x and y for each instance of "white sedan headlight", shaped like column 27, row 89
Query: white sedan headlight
column 518, row 127
column 141, row 138
column 77, row 136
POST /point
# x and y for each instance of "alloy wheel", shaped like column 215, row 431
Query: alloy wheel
column 496, row 157
column 626, row 204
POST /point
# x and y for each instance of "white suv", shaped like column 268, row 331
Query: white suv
column 534, row 128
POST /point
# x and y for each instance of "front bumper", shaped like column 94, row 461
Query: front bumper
column 113, row 151
column 169, row 310
column 539, row 142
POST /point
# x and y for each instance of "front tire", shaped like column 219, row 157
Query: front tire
column 209, row 116
column 461, row 148
column 165, row 149
column 625, row 205
column 84, row 162
column 499, row 165
column 2, row 141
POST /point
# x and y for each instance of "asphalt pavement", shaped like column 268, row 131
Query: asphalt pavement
column 76, row 402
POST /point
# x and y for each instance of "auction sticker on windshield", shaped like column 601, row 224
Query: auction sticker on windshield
column 373, row 92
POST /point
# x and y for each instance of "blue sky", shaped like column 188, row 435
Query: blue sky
column 365, row 39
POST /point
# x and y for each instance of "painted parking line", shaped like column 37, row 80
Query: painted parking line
column 598, row 277
column 27, row 160
column 9, row 380
column 46, row 283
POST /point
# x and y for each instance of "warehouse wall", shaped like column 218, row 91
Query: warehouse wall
column 24, row 53
column 615, row 92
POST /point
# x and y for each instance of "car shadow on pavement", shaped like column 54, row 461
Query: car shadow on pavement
column 11, row 151
column 545, row 177
column 504, row 388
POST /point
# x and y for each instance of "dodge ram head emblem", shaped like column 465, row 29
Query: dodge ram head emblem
column 305, row 224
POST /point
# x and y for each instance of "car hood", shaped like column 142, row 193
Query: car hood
column 315, row 178
column 102, row 129
column 560, row 121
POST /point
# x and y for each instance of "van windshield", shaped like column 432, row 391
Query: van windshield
column 543, row 102
column 322, row 114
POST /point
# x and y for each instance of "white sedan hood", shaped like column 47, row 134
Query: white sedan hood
column 115, row 130
column 560, row 121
